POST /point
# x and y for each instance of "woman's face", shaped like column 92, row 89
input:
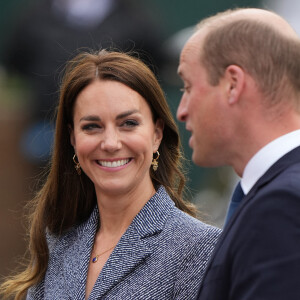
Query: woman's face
column 114, row 137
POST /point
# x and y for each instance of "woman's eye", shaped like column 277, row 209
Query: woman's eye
column 130, row 123
column 88, row 127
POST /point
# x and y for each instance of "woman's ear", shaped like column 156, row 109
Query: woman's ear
column 158, row 134
column 235, row 77
column 72, row 137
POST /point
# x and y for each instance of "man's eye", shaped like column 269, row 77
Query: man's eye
column 185, row 89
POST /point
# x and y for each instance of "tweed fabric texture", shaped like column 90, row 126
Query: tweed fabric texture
column 162, row 255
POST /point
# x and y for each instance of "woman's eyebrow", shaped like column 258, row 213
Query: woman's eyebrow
column 120, row 116
column 90, row 118
column 127, row 113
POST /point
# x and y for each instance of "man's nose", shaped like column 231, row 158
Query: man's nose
column 182, row 109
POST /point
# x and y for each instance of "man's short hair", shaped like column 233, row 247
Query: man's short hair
column 271, row 58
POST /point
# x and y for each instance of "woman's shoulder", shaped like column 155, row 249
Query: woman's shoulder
column 75, row 233
column 187, row 225
column 179, row 222
column 58, row 242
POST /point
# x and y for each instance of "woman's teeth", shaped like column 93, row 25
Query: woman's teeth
column 113, row 164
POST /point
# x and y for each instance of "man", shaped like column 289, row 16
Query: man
column 241, row 103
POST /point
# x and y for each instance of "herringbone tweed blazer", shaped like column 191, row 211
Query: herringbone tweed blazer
column 162, row 255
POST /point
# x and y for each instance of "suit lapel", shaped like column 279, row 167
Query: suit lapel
column 283, row 163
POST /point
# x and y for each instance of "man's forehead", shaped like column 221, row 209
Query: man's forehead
column 190, row 54
column 181, row 67
column 193, row 46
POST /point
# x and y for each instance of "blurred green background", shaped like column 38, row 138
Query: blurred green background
column 210, row 188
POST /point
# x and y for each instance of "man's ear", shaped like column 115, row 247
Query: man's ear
column 235, row 77
column 159, row 129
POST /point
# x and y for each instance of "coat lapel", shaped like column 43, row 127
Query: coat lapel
column 77, row 256
column 134, row 246
column 128, row 254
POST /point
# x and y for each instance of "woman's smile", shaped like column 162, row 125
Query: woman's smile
column 113, row 163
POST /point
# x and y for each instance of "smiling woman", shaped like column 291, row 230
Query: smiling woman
column 110, row 221
column 114, row 138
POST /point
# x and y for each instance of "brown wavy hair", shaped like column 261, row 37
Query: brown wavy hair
column 67, row 199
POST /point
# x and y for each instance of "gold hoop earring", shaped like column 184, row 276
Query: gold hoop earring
column 77, row 165
column 155, row 162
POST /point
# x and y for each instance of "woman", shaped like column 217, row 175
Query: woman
column 110, row 222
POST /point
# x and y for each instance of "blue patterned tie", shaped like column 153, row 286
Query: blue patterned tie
column 236, row 198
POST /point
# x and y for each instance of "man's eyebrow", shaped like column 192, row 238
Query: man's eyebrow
column 120, row 116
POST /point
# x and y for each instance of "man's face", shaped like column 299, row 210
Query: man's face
column 201, row 107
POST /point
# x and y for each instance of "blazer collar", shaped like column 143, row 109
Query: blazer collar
column 283, row 163
column 137, row 243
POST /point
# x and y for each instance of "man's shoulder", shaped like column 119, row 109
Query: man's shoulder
column 283, row 187
column 274, row 206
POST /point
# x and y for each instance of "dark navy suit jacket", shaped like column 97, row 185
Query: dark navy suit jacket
column 258, row 254
column 162, row 255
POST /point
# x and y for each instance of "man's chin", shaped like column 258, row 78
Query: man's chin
column 197, row 160
column 203, row 160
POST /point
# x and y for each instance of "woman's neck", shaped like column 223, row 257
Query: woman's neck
column 118, row 211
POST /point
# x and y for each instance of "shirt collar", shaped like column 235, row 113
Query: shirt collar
column 267, row 156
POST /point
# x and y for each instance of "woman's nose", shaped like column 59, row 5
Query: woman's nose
column 110, row 140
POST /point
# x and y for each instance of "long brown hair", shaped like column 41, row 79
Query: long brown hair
column 67, row 199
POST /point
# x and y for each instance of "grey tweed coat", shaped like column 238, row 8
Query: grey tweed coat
column 162, row 255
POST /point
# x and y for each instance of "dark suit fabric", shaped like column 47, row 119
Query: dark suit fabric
column 258, row 254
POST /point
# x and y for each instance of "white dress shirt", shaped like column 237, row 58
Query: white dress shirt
column 266, row 157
